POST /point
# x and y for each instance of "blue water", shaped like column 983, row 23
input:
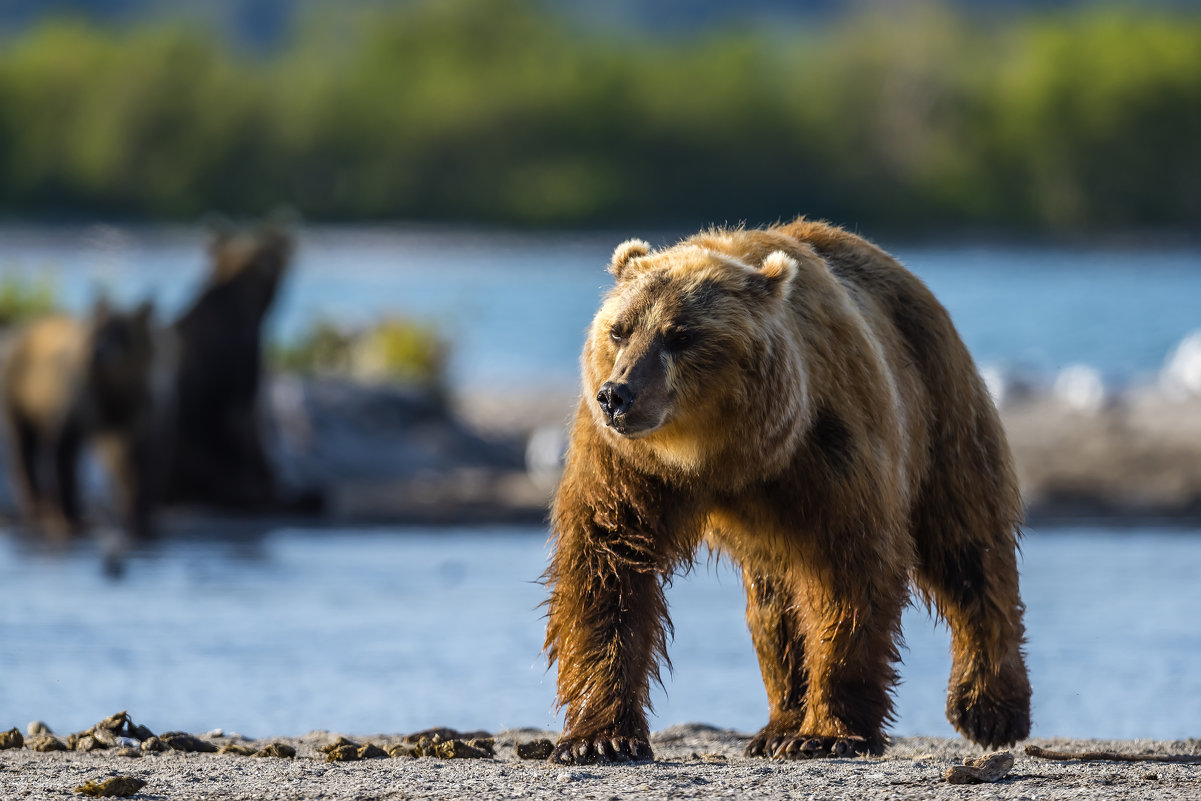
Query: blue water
column 393, row 631
column 515, row 306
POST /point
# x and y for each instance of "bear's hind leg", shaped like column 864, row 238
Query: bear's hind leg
column 827, row 651
column 974, row 584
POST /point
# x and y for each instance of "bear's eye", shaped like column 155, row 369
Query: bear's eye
column 619, row 334
column 678, row 339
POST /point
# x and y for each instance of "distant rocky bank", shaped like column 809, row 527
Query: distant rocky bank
column 396, row 455
column 1133, row 457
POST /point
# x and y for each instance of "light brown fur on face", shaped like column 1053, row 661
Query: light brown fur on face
column 801, row 402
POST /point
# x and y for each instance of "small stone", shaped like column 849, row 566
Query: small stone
column 153, row 744
column 485, row 744
column 338, row 743
column 279, row 750
column 215, row 733
column 46, row 743
column 113, row 723
column 11, row 738
column 535, row 749
column 1151, row 777
column 436, row 734
column 372, row 751
column 988, row 768
column 37, row 727
column 457, row 749
column 182, row 741
column 115, row 786
column 129, row 751
column 236, row 748
column 140, row 733
column 400, row 750
column 87, row 743
column 104, row 738
column 343, row 753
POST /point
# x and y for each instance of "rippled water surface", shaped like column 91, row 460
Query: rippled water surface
column 389, row 630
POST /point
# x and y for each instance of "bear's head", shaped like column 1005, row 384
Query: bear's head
column 122, row 350
column 255, row 261
column 682, row 346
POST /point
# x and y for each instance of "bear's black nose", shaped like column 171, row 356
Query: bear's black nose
column 615, row 399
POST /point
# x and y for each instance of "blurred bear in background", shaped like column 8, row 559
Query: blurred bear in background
column 104, row 381
column 219, row 458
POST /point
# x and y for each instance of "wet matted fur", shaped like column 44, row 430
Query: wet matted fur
column 798, row 400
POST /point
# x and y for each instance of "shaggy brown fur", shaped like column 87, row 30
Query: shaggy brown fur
column 68, row 382
column 219, row 455
column 800, row 401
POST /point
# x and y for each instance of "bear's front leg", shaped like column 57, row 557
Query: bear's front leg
column 618, row 535
column 606, row 627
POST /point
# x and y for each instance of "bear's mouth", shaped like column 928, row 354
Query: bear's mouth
column 633, row 428
column 626, row 431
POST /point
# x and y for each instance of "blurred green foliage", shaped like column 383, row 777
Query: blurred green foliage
column 393, row 350
column 24, row 298
column 506, row 112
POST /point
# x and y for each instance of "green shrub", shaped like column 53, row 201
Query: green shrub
column 508, row 112
column 391, row 350
column 24, row 298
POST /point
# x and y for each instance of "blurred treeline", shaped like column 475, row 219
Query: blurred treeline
column 507, row 112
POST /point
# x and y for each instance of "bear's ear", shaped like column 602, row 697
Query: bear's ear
column 778, row 271
column 626, row 252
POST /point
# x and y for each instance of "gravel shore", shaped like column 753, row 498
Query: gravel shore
column 692, row 761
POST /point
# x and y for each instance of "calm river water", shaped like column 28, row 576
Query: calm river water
column 397, row 630
column 391, row 631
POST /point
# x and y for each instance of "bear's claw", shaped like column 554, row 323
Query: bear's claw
column 803, row 746
column 601, row 751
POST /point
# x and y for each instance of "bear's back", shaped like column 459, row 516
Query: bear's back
column 44, row 368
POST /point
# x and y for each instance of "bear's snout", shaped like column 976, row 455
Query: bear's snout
column 615, row 400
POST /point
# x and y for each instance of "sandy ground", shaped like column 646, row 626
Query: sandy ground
column 692, row 761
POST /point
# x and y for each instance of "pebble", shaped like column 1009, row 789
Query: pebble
column 118, row 786
column 535, row 749
column 45, row 743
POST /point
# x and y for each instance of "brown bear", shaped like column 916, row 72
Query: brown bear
column 799, row 401
column 219, row 455
column 105, row 380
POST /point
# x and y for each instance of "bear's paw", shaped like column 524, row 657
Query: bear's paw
column 775, row 743
column 601, row 750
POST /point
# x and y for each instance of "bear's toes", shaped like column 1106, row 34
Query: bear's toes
column 803, row 746
column 987, row 721
column 601, row 750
